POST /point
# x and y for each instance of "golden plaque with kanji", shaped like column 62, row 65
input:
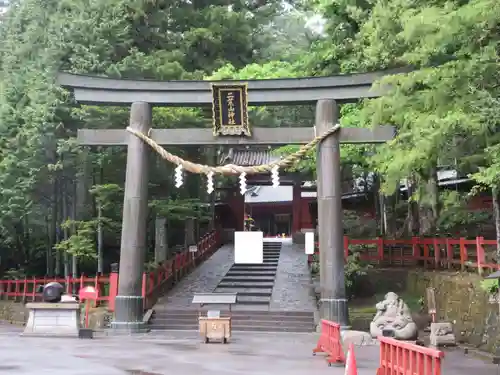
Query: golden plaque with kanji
column 230, row 109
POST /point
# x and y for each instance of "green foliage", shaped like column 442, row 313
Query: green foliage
column 446, row 110
column 82, row 242
column 180, row 209
column 355, row 269
column 116, row 38
column 490, row 286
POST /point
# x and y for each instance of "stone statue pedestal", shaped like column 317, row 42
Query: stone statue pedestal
column 53, row 319
column 442, row 335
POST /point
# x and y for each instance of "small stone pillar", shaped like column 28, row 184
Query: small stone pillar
column 161, row 244
column 189, row 232
column 129, row 301
column 331, row 229
column 297, row 235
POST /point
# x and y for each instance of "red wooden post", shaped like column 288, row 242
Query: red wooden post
column 480, row 254
column 415, row 249
column 33, row 292
column 437, row 253
column 17, row 290
column 113, row 287
column 426, row 254
column 25, row 289
column 346, row 246
column 68, row 284
column 449, row 253
column 380, row 249
column 144, row 287
column 463, row 253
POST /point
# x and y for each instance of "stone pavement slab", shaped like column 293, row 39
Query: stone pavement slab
column 181, row 352
column 292, row 287
column 203, row 279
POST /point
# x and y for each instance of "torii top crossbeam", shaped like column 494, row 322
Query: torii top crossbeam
column 342, row 88
column 108, row 91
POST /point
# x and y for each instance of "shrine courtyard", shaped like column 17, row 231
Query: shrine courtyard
column 181, row 352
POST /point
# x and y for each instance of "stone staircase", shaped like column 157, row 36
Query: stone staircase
column 253, row 282
column 253, row 320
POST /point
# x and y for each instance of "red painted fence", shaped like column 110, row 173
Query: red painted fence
column 404, row 358
column 153, row 282
column 330, row 342
column 442, row 253
column 396, row 357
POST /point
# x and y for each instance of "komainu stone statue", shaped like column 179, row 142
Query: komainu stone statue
column 442, row 335
column 393, row 319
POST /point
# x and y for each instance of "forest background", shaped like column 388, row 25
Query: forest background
column 60, row 204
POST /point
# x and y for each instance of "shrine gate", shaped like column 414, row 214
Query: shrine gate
column 327, row 92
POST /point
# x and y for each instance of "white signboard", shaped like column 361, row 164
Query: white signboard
column 309, row 242
column 248, row 247
column 193, row 249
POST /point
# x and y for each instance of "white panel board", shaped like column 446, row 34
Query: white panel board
column 248, row 247
column 309, row 242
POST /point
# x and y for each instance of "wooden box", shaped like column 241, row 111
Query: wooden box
column 215, row 328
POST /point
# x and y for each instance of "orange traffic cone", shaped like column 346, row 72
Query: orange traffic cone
column 350, row 363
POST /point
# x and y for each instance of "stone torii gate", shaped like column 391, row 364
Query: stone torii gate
column 141, row 95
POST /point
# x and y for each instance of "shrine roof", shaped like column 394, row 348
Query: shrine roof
column 248, row 158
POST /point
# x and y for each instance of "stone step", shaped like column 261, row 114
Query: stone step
column 256, row 292
column 252, row 270
column 253, row 300
column 242, row 284
column 251, row 273
column 246, row 291
column 161, row 310
column 268, row 263
column 249, row 328
column 248, row 278
column 235, row 322
column 256, row 267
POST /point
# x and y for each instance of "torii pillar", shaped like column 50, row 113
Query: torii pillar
column 333, row 302
column 129, row 304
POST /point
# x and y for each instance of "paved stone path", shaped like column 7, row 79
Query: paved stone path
column 177, row 352
column 292, row 287
column 203, row 279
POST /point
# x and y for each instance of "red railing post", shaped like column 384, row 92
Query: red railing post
column 33, row 292
column 113, row 286
column 437, row 253
column 463, row 253
column 449, row 253
column 415, row 249
column 480, row 254
column 144, row 288
column 380, row 250
column 346, row 247
column 17, row 290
